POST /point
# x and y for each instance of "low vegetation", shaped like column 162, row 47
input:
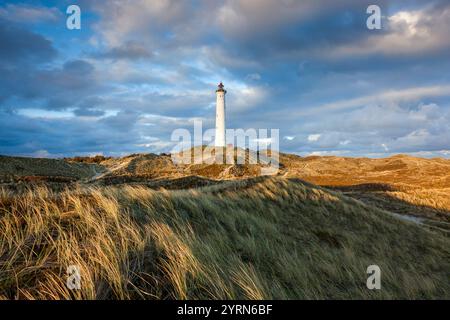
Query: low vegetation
column 256, row 238
column 94, row 159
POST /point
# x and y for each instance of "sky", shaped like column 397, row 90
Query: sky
column 139, row 69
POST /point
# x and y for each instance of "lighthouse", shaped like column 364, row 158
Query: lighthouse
column 220, row 115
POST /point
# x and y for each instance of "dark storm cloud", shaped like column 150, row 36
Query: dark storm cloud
column 131, row 50
column 29, row 72
column 52, row 87
column 301, row 49
column 20, row 45
column 301, row 27
column 123, row 121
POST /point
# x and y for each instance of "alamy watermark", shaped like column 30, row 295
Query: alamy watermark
column 73, row 277
column 374, row 279
column 73, row 21
column 250, row 146
column 374, row 20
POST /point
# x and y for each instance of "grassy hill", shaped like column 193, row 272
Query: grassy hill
column 397, row 170
column 254, row 238
column 141, row 227
column 403, row 184
column 12, row 168
column 406, row 185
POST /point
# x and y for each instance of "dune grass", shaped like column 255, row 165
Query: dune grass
column 264, row 238
column 437, row 198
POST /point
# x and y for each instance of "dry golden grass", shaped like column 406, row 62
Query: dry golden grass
column 434, row 198
column 401, row 184
column 251, row 239
column 396, row 170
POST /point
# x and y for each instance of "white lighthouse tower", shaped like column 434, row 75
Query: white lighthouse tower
column 220, row 116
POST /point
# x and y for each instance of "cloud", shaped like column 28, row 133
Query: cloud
column 314, row 137
column 158, row 19
column 53, row 88
column 124, row 120
column 254, row 76
column 379, row 129
column 23, row 13
column 19, row 45
column 130, row 50
column 407, row 32
column 41, row 154
column 139, row 69
column 409, row 94
column 78, row 67
column 86, row 112
column 117, row 135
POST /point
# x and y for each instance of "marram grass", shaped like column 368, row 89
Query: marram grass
column 263, row 238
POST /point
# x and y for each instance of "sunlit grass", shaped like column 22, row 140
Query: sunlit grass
column 249, row 239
